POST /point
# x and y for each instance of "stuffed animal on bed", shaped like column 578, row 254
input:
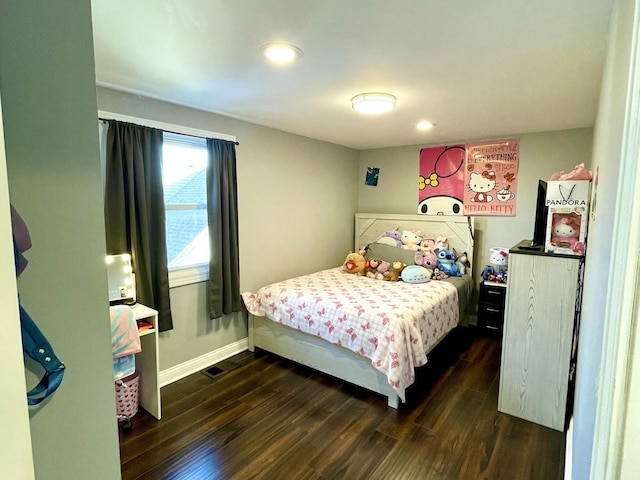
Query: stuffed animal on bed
column 396, row 271
column 371, row 266
column 427, row 259
column 354, row 263
column 463, row 263
column 390, row 237
column 411, row 239
column 446, row 263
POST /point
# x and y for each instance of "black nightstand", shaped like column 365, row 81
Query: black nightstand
column 491, row 306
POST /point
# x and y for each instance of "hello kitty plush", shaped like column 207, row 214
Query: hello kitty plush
column 564, row 232
column 411, row 239
column 481, row 184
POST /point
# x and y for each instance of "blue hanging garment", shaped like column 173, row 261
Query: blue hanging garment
column 34, row 343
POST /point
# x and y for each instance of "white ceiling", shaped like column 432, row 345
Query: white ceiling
column 475, row 68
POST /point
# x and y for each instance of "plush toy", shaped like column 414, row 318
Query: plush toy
column 411, row 239
column 370, row 267
column 565, row 231
column 437, row 274
column 492, row 275
column 463, row 263
column 441, row 243
column 415, row 274
column 427, row 244
column 499, row 258
column 427, row 259
column 396, row 271
column 390, row 237
column 354, row 263
column 446, row 263
column 382, row 272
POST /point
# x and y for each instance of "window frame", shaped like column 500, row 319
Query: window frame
column 194, row 273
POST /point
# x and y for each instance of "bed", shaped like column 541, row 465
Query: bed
column 368, row 332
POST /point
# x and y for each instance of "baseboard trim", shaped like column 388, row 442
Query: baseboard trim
column 173, row 374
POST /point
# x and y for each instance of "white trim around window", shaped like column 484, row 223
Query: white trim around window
column 179, row 277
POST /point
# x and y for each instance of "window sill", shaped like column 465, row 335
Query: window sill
column 189, row 275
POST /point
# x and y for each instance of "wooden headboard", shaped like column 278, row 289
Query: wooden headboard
column 457, row 228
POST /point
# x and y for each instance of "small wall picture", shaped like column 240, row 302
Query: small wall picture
column 372, row 176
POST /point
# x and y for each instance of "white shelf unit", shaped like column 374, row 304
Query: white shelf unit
column 147, row 363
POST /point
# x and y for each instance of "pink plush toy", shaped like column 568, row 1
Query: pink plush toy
column 427, row 259
column 565, row 231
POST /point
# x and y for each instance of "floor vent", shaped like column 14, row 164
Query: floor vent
column 213, row 372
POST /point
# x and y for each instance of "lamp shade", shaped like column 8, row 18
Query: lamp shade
column 373, row 103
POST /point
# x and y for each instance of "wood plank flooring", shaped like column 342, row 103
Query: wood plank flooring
column 267, row 418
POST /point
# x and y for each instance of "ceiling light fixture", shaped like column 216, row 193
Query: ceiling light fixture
column 425, row 125
column 281, row 52
column 373, row 103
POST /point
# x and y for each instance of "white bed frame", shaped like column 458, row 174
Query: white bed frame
column 337, row 361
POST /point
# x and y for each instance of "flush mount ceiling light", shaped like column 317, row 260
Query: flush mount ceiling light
column 373, row 103
column 425, row 125
column 281, row 52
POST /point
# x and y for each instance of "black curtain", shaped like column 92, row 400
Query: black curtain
column 134, row 211
column 222, row 210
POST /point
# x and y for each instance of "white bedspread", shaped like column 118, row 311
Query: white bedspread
column 392, row 323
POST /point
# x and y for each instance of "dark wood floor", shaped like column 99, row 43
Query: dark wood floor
column 266, row 418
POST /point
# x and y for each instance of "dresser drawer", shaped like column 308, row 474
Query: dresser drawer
column 492, row 295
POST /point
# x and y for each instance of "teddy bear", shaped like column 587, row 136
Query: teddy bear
column 371, row 266
column 382, row 272
column 354, row 263
column 411, row 239
column 396, row 271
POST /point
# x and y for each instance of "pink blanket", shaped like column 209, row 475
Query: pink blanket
column 394, row 324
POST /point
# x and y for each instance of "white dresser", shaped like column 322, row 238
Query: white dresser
column 541, row 318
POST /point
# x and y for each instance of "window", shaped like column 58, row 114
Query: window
column 185, row 198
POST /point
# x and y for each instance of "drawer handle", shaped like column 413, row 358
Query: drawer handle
column 491, row 327
column 490, row 292
column 494, row 310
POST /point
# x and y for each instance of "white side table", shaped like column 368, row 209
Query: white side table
column 147, row 362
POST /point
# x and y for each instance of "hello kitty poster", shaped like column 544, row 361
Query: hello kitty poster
column 491, row 177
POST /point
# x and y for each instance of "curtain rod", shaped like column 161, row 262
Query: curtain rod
column 168, row 131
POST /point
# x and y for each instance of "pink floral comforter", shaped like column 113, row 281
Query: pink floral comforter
column 392, row 323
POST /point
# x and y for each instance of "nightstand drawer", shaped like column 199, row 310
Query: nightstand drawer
column 492, row 295
column 491, row 315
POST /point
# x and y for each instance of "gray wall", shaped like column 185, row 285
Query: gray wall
column 49, row 109
column 541, row 154
column 608, row 140
column 296, row 198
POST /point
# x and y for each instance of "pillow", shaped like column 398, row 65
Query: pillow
column 391, row 254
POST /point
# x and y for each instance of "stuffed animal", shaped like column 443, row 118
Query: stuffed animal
column 427, row 259
column 437, row 274
column 390, row 237
column 463, row 263
column 446, row 263
column 396, row 271
column 411, row 239
column 441, row 243
column 565, row 231
column 370, row 266
column 427, row 244
column 354, row 263
column 383, row 270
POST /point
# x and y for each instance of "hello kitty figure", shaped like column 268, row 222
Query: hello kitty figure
column 481, row 184
column 499, row 258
